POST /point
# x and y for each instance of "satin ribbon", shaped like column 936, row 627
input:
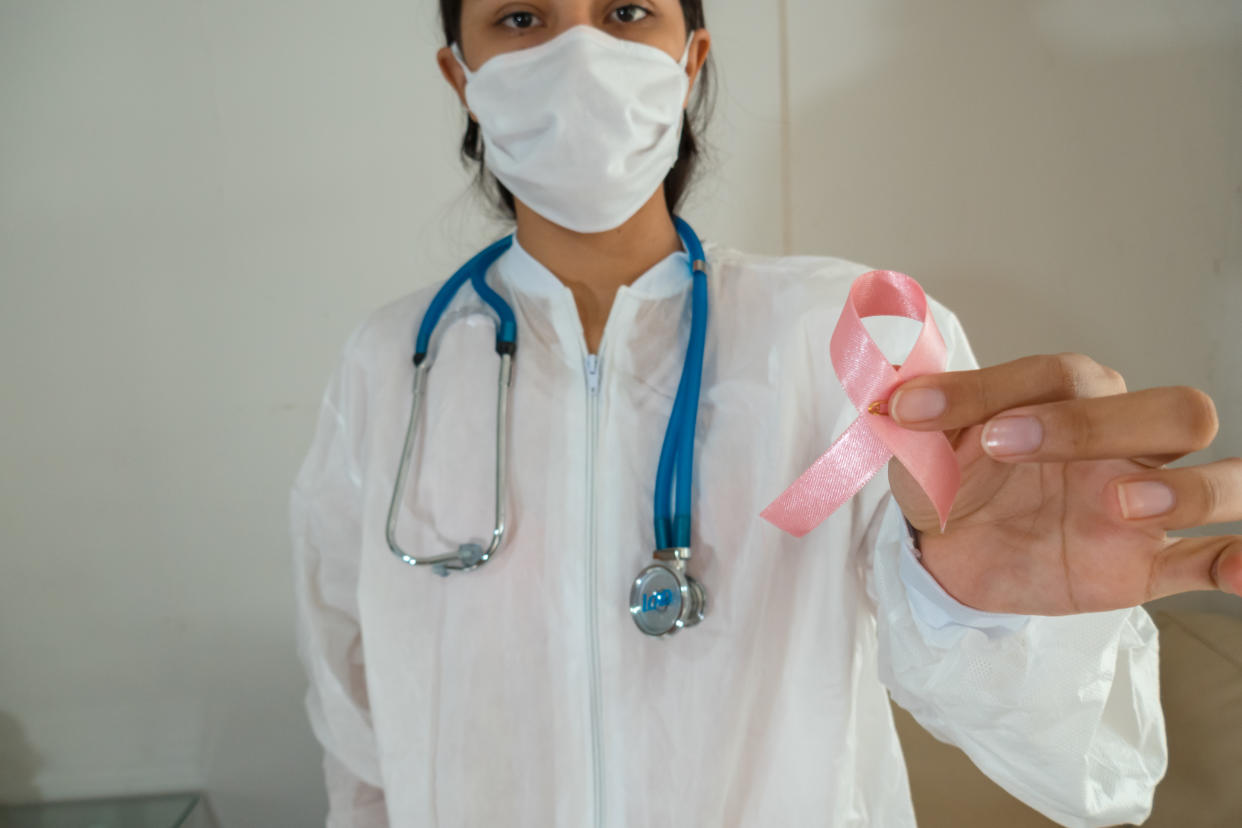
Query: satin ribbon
column 869, row 378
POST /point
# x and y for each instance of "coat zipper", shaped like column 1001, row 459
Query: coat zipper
column 597, row 771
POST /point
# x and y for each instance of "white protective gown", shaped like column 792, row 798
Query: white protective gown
column 522, row 694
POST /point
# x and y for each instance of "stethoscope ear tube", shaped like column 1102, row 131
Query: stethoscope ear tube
column 468, row 556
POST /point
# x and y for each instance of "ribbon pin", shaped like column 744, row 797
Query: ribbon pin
column 869, row 379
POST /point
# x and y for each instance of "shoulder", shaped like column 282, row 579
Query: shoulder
column 786, row 290
column 801, row 291
column 755, row 272
column 387, row 332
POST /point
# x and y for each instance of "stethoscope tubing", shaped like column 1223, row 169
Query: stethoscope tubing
column 677, row 452
column 474, row 271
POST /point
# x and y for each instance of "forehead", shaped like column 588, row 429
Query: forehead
column 466, row 6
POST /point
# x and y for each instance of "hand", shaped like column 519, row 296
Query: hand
column 1064, row 505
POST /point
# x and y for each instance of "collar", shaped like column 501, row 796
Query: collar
column 668, row 277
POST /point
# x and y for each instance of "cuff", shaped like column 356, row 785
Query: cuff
column 930, row 603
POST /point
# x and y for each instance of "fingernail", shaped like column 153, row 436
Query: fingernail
column 1008, row 436
column 1146, row 498
column 917, row 404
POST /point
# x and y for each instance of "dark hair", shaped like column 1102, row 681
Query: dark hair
column 678, row 180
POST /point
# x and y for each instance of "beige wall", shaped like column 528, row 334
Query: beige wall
column 199, row 199
column 1065, row 174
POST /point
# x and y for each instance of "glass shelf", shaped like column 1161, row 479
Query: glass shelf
column 164, row 811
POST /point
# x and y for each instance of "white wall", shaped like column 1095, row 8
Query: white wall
column 199, row 199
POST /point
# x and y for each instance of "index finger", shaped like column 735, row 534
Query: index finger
column 959, row 399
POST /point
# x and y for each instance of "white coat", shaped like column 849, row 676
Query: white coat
column 522, row 694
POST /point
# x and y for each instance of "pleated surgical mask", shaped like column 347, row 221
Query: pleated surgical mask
column 581, row 128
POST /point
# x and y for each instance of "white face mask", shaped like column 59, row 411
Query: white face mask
column 583, row 128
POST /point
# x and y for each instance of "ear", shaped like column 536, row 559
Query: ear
column 698, row 56
column 452, row 72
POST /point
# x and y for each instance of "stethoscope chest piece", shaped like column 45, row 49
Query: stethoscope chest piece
column 664, row 599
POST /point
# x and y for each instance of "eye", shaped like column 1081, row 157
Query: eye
column 519, row 20
column 630, row 14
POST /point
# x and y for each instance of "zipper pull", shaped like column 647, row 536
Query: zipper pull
column 592, row 373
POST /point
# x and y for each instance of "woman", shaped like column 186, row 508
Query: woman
column 523, row 694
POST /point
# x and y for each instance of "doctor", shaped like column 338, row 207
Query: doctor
column 521, row 694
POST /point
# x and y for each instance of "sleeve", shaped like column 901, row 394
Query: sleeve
column 1063, row 712
column 325, row 506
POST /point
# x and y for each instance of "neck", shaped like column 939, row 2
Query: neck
column 595, row 265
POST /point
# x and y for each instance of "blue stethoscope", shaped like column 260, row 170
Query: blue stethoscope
column 663, row 598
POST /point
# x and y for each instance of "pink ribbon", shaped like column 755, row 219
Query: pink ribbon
column 869, row 378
